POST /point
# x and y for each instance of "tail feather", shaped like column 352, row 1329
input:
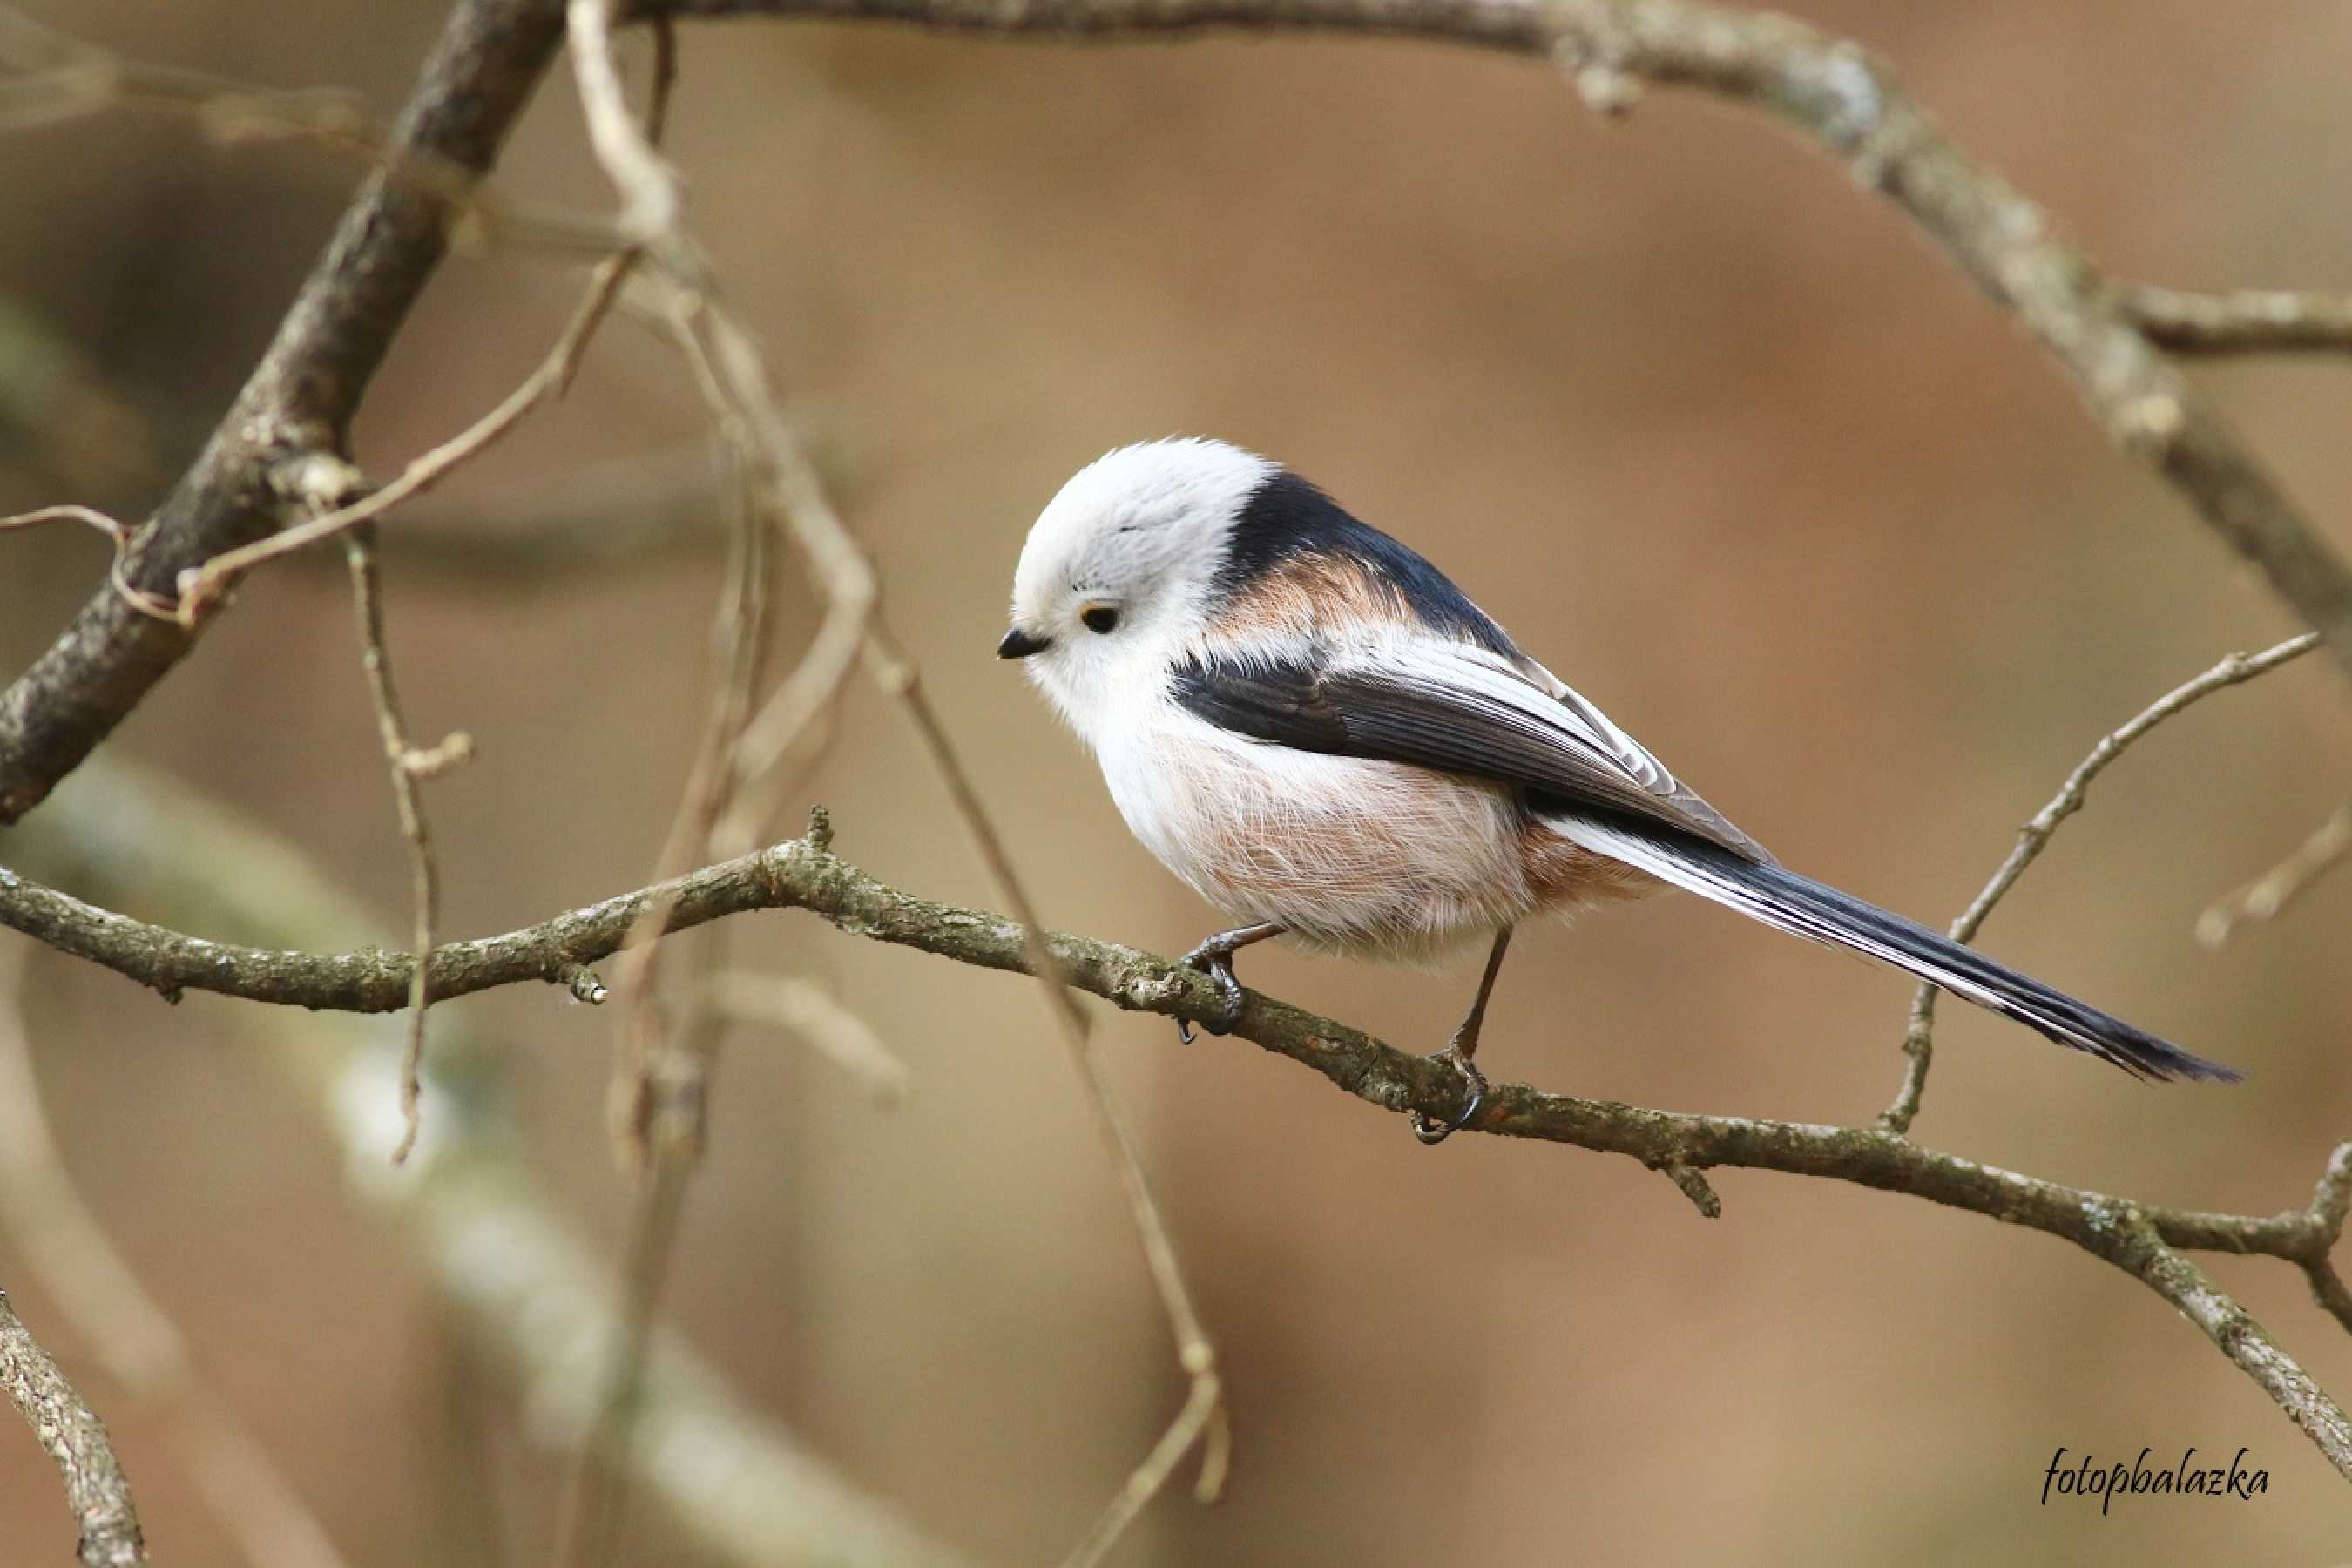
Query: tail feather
column 1821, row 914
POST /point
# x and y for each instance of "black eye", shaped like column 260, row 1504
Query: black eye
column 1099, row 618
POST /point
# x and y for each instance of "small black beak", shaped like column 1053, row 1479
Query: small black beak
column 1018, row 644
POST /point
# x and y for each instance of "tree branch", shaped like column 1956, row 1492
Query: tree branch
column 298, row 402
column 2267, row 896
column 1851, row 105
column 804, row 874
column 75, row 1439
column 2106, row 335
column 76, row 1266
column 2242, row 321
column 1918, row 1035
column 528, row 1288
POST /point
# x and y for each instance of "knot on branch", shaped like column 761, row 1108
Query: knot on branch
column 315, row 481
column 2150, row 424
column 1691, row 1180
column 583, row 982
column 456, row 748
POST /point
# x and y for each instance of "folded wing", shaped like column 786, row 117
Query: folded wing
column 1457, row 709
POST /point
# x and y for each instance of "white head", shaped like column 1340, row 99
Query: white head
column 1118, row 572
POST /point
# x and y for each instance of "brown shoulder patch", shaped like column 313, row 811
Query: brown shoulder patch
column 1311, row 590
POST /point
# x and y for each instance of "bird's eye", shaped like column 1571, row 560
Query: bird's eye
column 1099, row 618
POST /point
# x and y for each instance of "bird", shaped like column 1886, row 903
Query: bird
column 1317, row 730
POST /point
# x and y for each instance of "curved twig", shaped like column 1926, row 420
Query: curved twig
column 804, row 874
column 76, row 1440
column 2242, row 321
column 2108, row 337
column 1918, row 1034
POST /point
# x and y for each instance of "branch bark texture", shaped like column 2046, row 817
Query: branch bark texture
column 2140, row 1238
column 532, row 1294
column 76, row 1440
column 2108, row 337
column 1851, row 103
column 298, row 402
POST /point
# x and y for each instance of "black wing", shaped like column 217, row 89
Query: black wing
column 1460, row 710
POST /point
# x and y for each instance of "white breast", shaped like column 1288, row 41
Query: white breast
column 1353, row 855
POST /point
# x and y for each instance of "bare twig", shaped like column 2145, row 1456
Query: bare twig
column 299, row 399
column 2242, row 321
column 1851, row 103
column 152, row 606
column 1202, row 1418
column 533, row 1295
column 46, row 75
column 660, row 1090
column 1918, row 1035
column 199, row 588
column 74, row 1437
column 634, row 513
column 119, row 533
column 1693, row 1184
column 1831, row 89
column 2234, row 1329
column 409, row 767
column 802, row 874
column 735, row 379
column 2268, row 895
column 80, row 1268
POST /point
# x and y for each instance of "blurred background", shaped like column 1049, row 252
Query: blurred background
column 1711, row 432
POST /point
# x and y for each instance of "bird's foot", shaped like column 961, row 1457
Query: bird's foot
column 1214, row 960
column 1473, row 1086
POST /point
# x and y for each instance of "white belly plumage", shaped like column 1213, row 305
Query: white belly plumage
column 1349, row 854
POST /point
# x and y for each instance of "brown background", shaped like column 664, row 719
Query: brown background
column 1709, row 430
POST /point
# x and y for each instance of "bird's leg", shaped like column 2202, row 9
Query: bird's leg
column 1214, row 958
column 1461, row 1048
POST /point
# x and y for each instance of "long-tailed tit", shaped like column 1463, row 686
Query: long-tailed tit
column 1319, row 732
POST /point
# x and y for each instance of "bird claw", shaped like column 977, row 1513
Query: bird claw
column 1475, row 1086
column 1218, row 966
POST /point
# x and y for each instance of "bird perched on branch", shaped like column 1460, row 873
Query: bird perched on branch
column 1323, row 736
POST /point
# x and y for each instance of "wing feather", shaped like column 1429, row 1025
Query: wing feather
column 1448, row 706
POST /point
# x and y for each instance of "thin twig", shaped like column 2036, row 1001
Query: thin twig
column 78, row 1266
column 2242, row 321
column 124, row 536
column 607, row 523
column 408, row 768
column 200, row 587
column 76, row 1441
column 735, row 377
column 531, row 1292
column 804, row 874
column 300, row 398
column 2268, row 895
column 1918, row 1035
column 52, row 77
column 1856, row 109
column 1202, row 1418
column 660, row 1091
column 1850, row 103
column 119, row 533
column 2144, row 1253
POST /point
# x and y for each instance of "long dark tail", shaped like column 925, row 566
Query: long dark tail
column 1821, row 914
